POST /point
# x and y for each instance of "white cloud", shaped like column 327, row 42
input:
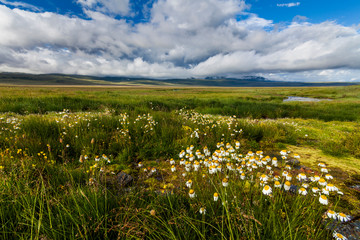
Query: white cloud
column 299, row 18
column 292, row 4
column 113, row 7
column 182, row 39
column 193, row 15
column 20, row 4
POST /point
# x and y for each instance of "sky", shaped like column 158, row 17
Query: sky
column 304, row 40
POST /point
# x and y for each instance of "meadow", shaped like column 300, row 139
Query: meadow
column 82, row 162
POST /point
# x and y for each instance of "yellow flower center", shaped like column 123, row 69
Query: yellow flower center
column 342, row 214
column 266, row 188
column 216, row 194
column 191, row 191
column 323, row 197
column 277, row 183
column 330, row 185
column 322, row 180
column 287, row 183
column 302, row 189
column 331, row 212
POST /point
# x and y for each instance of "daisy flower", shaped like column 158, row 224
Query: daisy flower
column 343, row 217
column 173, row 168
column 216, row 196
column 188, row 183
column 274, row 162
column 331, row 187
column 322, row 182
column 296, row 156
column 181, row 154
column 225, row 182
column 285, row 173
column 277, row 184
column 288, row 177
column 202, row 211
column 301, row 176
column 264, row 178
column 325, row 191
column 267, row 190
column 242, row 176
column 323, row 200
column 287, row 186
column 302, row 191
column 339, row 236
column 305, row 185
column 331, row 214
column 191, row 193
column 283, row 153
column 172, row 161
column 329, row 177
column 196, row 166
column 324, row 170
column 288, row 167
column 315, row 189
column 321, row 165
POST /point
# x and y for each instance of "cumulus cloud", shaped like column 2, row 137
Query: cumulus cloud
column 292, row 4
column 183, row 38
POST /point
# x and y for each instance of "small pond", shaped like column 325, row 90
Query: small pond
column 304, row 99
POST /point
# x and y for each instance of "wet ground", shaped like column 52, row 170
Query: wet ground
column 303, row 99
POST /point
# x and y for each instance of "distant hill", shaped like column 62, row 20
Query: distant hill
column 61, row 79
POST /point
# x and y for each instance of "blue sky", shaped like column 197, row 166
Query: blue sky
column 304, row 40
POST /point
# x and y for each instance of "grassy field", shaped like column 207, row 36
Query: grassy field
column 66, row 153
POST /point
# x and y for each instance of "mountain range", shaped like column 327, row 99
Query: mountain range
column 61, row 79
